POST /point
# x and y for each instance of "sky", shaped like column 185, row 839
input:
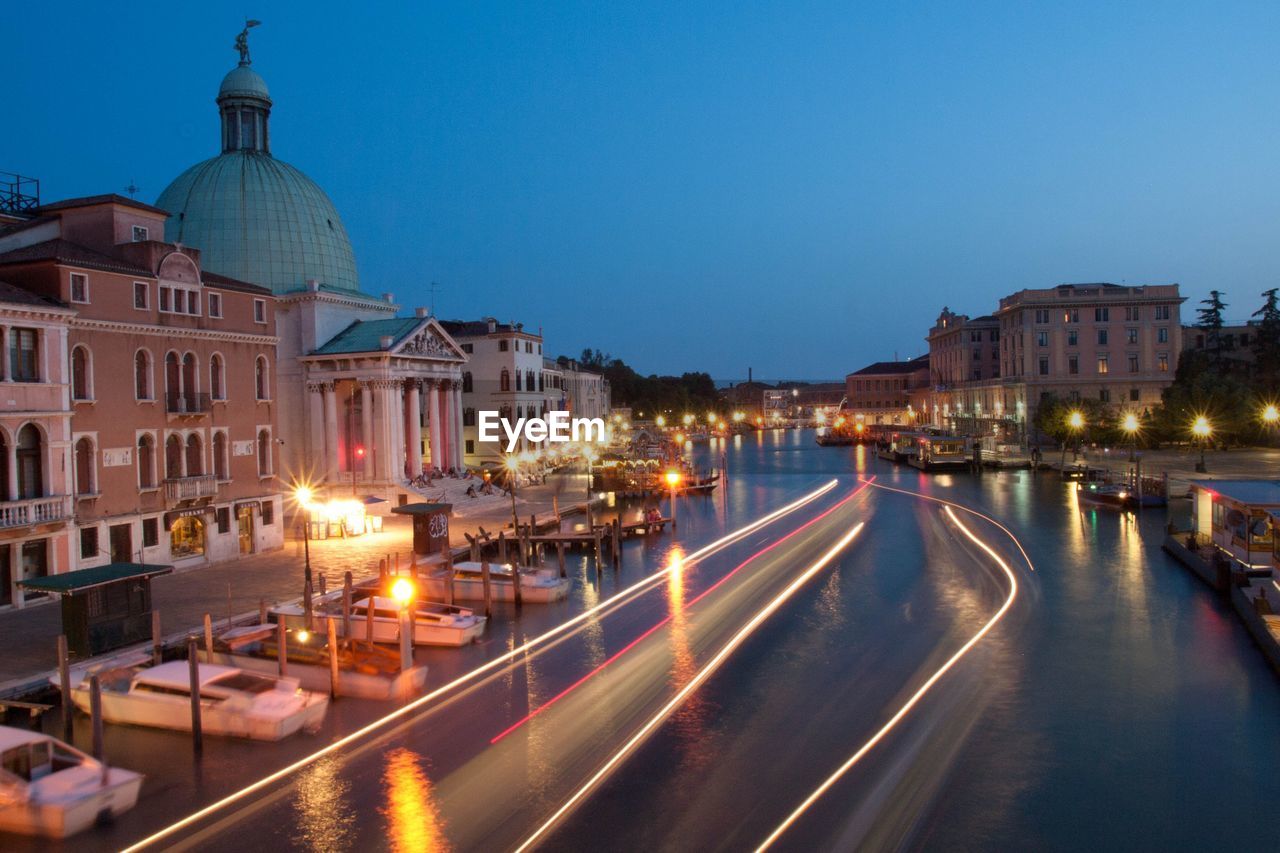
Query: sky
column 794, row 187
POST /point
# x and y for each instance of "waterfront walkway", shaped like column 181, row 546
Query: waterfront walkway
column 1180, row 463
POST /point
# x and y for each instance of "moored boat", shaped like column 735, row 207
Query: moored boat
column 53, row 790
column 435, row 623
column 540, row 586
column 1107, row 495
column 234, row 702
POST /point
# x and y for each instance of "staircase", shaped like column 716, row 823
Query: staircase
column 451, row 491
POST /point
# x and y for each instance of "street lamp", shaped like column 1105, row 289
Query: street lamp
column 660, row 421
column 1270, row 414
column 513, row 467
column 1075, row 422
column 673, row 480
column 1130, row 425
column 1201, row 429
column 303, row 495
column 688, row 420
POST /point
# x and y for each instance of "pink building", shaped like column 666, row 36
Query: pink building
column 170, row 374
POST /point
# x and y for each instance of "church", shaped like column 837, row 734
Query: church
column 367, row 398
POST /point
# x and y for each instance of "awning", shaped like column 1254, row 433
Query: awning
column 194, row 512
column 252, row 505
column 82, row 579
column 421, row 509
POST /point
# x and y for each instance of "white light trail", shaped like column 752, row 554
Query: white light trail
column 688, row 689
column 919, row 694
column 347, row 740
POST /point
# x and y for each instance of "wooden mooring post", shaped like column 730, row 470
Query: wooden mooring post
column 332, row 628
column 208, row 636
column 488, row 589
column 346, row 606
column 282, row 651
column 64, row 685
column 368, row 622
column 262, row 611
column 193, row 669
column 157, row 653
column 560, row 557
column 95, row 714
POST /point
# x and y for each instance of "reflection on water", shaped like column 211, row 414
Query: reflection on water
column 413, row 818
column 689, row 720
column 323, row 806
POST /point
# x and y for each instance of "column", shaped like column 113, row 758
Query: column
column 456, row 423
column 398, row 462
column 366, row 429
column 413, row 447
column 386, row 431
column 315, row 420
column 331, row 433
column 446, row 434
column 13, row 477
column 433, row 423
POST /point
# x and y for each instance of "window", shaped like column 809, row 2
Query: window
column 146, row 461
column 1162, row 312
column 518, row 383
column 173, row 458
column 268, row 513
column 193, row 302
column 195, row 456
column 1133, row 313
column 259, row 310
column 1102, row 337
column 81, row 386
column 186, row 537
column 150, row 532
column 504, row 381
column 140, row 233
column 88, row 543
column 470, row 447
column 166, row 298
column 30, row 453
column 79, row 287
column 1104, row 395
column 502, row 345
column 84, row 466
column 466, row 382
column 215, row 304
column 1133, row 363
column 528, row 380
column 468, row 417
column 1042, row 315
column 141, row 295
column 1073, row 338
column 975, row 337
column 1101, row 315
column 1162, row 335
column 1073, row 364
column 1071, row 315
column 1134, row 396
column 1102, row 364
column 220, row 467
column 1042, row 339
column 1162, row 362
column 468, row 348
column 1044, row 367
column 217, row 378
column 23, row 364
column 223, row 517
column 1131, row 336
column 261, row 383
column 264, row 453
column 542, row 378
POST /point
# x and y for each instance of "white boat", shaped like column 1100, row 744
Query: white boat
column 233, row 701
column 435, row 624
column 540, row 586
column 50, row 789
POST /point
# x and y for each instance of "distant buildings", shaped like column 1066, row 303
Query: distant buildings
column 888, row 392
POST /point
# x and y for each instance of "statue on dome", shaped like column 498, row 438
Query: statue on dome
column 242, row 41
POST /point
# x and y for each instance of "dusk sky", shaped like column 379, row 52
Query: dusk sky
column 797, row 188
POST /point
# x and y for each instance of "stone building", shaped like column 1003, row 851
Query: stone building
column 884, row 392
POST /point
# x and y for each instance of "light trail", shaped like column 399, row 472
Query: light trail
column 684, row 692
column 918, row 695
column 405, row 710
column 629, row 646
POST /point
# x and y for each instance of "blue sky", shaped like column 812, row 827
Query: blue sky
column 797, row 187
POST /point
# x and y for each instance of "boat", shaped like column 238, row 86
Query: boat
column 540, row 586
column 234, row 702
column 1107, row 495
column 897, row 446
column 367, row 672
column 940, row 452
column 53, row 790
column 435, row 624
column 833, row 438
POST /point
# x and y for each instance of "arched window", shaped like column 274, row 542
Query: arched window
column 261, row 381
column 466, row 382
column 505, row 382
column 173, row 458
column 220, row 468
column 264, row 453
column 142, row 375
column 468, row 417
column 528, row 380
column 146, row 461
column 195, row 456
column 217, row 378
column 190, row 382
column 81, row 384
column 30, row 453
column 542, row 379
column 172, row 381
column 84, row 467
column 518, row 382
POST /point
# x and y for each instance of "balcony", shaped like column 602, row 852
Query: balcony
column 191, row 488
column 34, row 511
column 189, row 404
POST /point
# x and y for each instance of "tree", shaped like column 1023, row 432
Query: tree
column 1200, row 387
column 1266, row 343
column 1209, row 320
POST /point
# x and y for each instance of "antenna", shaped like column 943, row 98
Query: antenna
column 433, row 288
column 133, row 189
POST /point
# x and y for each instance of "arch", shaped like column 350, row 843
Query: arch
column 172, row 379
column 195, row 455
column 29, row 447
column 178, row 267
column 264, row 453
column 146, row 461
column 519, row 382
column 504, row 382
column 84, row 466
column 81, row 373
column 217, row 377
column 173, row 457
column 221, row 469
column 142, row 387
column 261, row 378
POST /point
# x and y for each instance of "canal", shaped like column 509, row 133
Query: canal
column 1116, row 704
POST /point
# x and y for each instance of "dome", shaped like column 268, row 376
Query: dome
column 243, row 82
column 260, row 220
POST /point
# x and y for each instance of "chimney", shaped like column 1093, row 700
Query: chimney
column 385, row 341
column 313, row 285
column 493, row 324
column 420, row 312
column 389, row 297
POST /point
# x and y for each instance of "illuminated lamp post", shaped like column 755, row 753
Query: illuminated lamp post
column 1130, row 425
column 673, row 480
column 1075, row 422
column 513, row 466
column 1202, row 430
column 303, row 495
column 1270, row 415
column 402, row 592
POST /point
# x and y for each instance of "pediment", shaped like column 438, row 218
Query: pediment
column 430, row 341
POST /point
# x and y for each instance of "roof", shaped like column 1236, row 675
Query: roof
column 228, row 283
column 66, row 252
column 243, row 82
column 15, row 295
column 480, row 328
column 367, row 335
column 177, row 673
column 882, row 367
column 11, row 737
column 105, row 198
column 82, row 579
column 1248, row 492
column 421, row 509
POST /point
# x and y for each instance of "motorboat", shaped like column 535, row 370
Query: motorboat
column 234, row 701
column 1108, row 495
column 539, row 586
column 434, row 623
column 51, row 789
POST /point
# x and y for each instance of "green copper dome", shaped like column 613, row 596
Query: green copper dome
column 254, row 217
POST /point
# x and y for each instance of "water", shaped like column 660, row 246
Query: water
column 1118, row 704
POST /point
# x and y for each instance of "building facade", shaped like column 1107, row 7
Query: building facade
column 170, row 372
column 964, row 362
column 885, row 392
